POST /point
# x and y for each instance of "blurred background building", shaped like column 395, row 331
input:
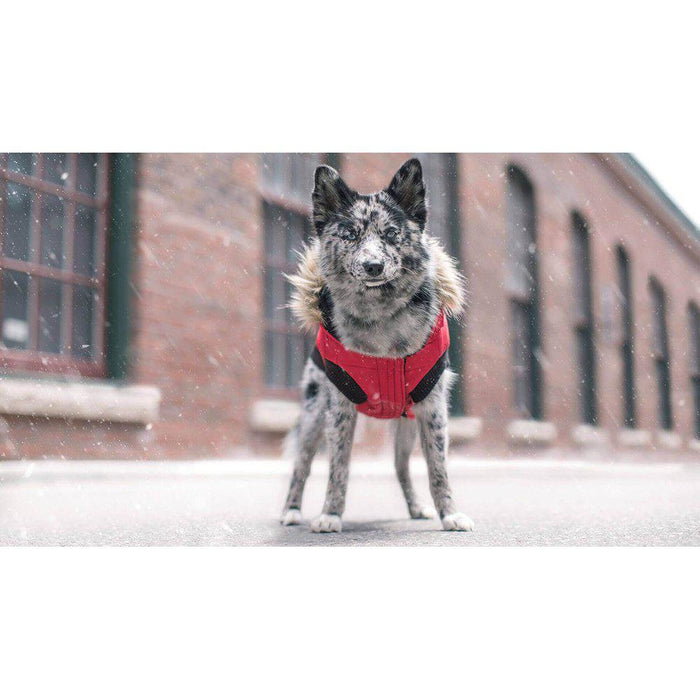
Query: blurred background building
column 143, row 303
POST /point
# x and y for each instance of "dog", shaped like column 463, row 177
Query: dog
column 378, row 286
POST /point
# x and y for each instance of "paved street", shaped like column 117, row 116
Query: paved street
column 237, row 503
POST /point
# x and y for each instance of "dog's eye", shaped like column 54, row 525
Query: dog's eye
column 391, row 235
column 350, row 236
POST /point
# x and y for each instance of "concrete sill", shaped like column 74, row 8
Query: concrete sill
column 589, row 436
column 694, row 444
column 634, row 438
column 464, row 429
column 669, row 440
column 273, row 415
column 531, row 432
column 79, row 400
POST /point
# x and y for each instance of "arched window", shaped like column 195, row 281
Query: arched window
column 583, row 319
column 524, row 294
column 629, row 394
column 694, row 327
column 660, row 354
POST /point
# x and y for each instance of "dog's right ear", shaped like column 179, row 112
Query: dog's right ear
column 330, row 195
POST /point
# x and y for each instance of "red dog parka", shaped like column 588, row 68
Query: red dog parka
column 384, row 387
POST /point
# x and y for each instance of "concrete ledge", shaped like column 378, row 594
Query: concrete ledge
column 531, row 432
column 634, row 438
column 79, row 400
column 694, row 444
column 589, row 436
column 668, row 440
column 464, row 429
column 273, row 415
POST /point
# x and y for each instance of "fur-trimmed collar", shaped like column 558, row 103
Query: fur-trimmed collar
column 308, row 283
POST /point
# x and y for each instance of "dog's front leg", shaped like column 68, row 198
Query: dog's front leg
column 431, row 415
column 341, row 418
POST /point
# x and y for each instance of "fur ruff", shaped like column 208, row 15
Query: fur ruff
column 307, row 284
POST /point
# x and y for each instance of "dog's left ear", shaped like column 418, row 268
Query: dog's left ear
column 408, row 189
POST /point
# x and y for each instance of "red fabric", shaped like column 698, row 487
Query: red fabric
column 387, row 381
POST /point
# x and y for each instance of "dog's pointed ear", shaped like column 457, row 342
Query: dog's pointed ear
column 331, row 194
column 408, row 189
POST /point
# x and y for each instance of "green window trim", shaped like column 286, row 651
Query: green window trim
column 121, row 222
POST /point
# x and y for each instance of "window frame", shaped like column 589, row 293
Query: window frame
column 661, row 354
column 525, row 303
column 627, row 340
column 272, row 197
column 694, row 369
column 584, row 317
column 41, row 362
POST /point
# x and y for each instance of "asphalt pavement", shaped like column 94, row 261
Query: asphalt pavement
column 238, row 503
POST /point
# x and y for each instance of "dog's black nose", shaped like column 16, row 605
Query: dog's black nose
column 374, row 269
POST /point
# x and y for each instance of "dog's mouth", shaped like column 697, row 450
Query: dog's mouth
column 376, row 283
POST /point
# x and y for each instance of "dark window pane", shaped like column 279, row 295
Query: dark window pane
column 583, row 318
column 661, row 355
column 83, row 308
column 274, row 294
column 290, row 174
column 438, row 190
column 16, row 234
column 276, row 225
column 522, row 365
column 84, row 242
column 295, row 359
column 274, row 359
column 660, row 338
column 627, row 344
column 52, row 219
column 297, row 232
column 56, row 168
column 586, row 363
column 663, row 380
column 87, row 173
column 50, row 294
column 15, row 296
column 21, row 162
column 694, row 326
column 583, row 303
column 522, row 247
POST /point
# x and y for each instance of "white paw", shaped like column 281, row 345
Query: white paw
column 458, row 521
column 291, row 517
column 423, row 512
column 327, row 523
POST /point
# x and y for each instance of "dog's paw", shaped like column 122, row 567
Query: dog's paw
column 458, row 521
column 291, row 517
column 422, row 512
column 327, row 523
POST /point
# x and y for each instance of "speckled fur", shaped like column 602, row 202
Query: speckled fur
column 389, row 314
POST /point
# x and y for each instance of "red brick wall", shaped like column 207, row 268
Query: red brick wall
column 563, row 183
column 197, row 303
column 198, row 299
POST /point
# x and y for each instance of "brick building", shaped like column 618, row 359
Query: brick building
column 143, row 303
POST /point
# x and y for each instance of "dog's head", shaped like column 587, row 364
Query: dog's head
column 372, row 240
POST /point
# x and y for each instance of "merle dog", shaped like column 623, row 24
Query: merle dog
column 375, row 275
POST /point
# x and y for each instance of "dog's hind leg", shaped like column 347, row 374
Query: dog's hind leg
column 304, row 439
column 431, row 414
column 404, row 441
